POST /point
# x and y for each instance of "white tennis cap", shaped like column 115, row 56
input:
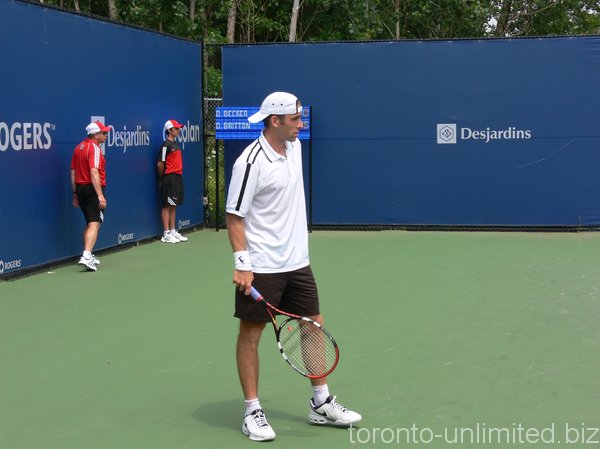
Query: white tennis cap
column 171, row 124
column 277, row 103
column 96, row 127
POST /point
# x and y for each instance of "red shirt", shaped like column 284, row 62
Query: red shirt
column 88, row 155
column 170, row 154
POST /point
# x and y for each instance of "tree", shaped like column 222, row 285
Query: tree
column 294, row 21
column 231, row 17
column 545, row 17
column 397, row 5
column 325, row 20
column 112, row 10
column 192, row 14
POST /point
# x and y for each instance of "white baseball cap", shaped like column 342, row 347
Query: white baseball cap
column 171, row 124
column 96, row 127
column 277, row 103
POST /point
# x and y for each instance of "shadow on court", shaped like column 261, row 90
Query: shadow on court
column 228, row 414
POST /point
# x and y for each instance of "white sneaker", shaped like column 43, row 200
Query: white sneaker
column 169, row 238
column 256, row 427
column 96, row 261
column 182, row 238
column 331, row 413
column 88, row 263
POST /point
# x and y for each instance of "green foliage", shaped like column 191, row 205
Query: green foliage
column 214, row 170
column 545, row 17
column 212, row 82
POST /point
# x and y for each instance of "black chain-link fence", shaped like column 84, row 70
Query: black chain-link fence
column 214, row 176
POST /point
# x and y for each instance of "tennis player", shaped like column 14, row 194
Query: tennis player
column 266, row 222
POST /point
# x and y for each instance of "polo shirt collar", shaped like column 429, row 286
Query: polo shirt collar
column 271, row 153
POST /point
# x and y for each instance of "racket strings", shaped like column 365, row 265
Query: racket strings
column 307, row 347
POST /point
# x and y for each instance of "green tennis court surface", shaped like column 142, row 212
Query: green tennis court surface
column 443, row 337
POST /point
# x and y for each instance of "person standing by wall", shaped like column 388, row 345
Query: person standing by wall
column 88, row 180
column 170, row 171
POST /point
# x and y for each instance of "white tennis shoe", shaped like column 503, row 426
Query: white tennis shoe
column 88, row 263
column 331, row 413
column 181, row 238
column 256, row 427
column 169, row 238
column 96, row 261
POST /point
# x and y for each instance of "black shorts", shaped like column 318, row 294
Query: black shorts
column 89, row 203
column 294, row 292
column 171, row 190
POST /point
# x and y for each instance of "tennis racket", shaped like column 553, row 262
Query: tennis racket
column 304, row 344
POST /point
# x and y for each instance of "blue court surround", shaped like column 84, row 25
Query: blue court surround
column 379, row 110
column 59, row 71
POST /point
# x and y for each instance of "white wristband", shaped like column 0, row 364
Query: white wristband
column 242, row 261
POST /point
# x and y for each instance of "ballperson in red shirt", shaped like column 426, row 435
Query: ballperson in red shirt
column 170, row 170
column 88, row 180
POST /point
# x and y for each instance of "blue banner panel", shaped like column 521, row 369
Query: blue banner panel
column 498, row 132
column 232, row 123
column 66, row 70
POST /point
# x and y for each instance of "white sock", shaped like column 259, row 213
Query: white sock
column 172, row 231
column 251, row 405
column 320, row 394
column 87, row 254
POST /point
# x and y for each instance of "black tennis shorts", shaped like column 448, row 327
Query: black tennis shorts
column 89, row 203
column 171, row 190
column 293, row 291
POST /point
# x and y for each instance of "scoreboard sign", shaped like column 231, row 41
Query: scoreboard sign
column 232, row 123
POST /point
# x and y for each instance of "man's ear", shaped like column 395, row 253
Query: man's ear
column 275, row 122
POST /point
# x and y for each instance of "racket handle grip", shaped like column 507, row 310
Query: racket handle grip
column 255, row 295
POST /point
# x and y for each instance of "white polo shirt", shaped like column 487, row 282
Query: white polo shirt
column 267, row 190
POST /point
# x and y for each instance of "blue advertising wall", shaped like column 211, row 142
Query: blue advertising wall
column 60, row 71
column 461, row 133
